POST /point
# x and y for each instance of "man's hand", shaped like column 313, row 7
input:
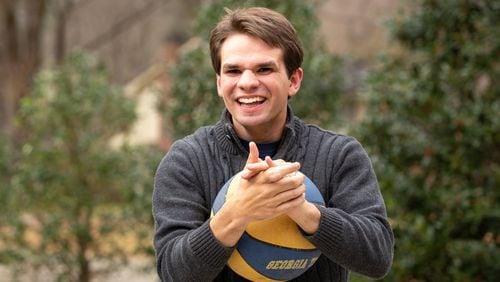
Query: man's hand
column 306, row 215
column 266, row 192
column 254, row 164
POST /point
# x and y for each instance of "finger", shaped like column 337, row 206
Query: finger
column 269, row 161
column 291, row 194
column 272, row 162
column 290, row 182
column 253, row 155
column 292, row 203
column 279, row 161
column 253, row 169
column 278, row 172
column 261, row 165
column 253, row 158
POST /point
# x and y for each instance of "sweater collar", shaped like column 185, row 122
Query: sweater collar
column 228, row 139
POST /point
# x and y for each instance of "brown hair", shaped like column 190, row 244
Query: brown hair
column 268, row 25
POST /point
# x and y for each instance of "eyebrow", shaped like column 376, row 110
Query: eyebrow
column 230, row 66
column 267, row 64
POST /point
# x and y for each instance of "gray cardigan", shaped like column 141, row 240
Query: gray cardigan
column 354, row 233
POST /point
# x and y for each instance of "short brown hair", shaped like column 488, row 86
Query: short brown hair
column 268, row 25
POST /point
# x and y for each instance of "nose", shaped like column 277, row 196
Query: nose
column 248, row 80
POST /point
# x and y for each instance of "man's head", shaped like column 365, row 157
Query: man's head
column 270, row 26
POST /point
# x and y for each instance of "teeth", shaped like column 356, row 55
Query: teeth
column 250, row 100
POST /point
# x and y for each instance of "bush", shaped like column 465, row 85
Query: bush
column 82, row 206
column 433, row 131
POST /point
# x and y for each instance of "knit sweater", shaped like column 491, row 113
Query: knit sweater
column 353, row 234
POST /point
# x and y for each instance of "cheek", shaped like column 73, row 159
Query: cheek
column 227, row 85
column 224, row 88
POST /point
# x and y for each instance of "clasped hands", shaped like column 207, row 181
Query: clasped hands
column 264, row 189
column 269, row 188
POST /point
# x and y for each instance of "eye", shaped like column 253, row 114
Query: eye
column 265, row 70
column 232, row 71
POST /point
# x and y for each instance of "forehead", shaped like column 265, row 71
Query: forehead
column 241, row 48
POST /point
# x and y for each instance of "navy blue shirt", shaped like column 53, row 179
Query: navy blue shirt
column 265, row 149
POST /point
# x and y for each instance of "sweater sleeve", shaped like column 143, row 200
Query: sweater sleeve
column 354, row 230
column 186, row 248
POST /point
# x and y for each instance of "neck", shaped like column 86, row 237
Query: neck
column 259, row 135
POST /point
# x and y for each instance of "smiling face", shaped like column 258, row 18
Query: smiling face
column 255, row 87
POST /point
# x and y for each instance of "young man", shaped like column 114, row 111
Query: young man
column 257, row 56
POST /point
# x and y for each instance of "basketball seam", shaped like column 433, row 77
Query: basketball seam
column 279, row 246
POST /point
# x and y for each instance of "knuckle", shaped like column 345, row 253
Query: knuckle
column 296, row 181
column 303, row 188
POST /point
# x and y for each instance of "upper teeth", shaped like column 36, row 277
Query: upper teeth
column 250, row 100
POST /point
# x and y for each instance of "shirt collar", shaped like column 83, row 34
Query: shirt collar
column 229, row 141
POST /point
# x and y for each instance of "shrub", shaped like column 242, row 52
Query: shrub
column 82, row 205
column 433, row 131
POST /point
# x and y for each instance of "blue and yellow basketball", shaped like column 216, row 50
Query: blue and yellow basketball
column 274, row 249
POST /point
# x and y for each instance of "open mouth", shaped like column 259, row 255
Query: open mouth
column 252, row 101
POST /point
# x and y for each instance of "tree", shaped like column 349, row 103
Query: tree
column 433, row 130
column 75, row 198
column 21, row 54
column 22, row 25
column 193, row 100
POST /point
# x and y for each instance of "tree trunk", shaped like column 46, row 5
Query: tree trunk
column 22, row 54
column 60, row 31
column 84, row 238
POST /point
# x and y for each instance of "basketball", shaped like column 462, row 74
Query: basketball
column 273, row 249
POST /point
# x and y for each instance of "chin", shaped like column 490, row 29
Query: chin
column 249, row 121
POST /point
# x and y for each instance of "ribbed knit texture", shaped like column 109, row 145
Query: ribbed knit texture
column 206, row 247
column 353, row 235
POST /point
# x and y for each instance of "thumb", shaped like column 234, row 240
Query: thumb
column 254, row 165
column 253, row 156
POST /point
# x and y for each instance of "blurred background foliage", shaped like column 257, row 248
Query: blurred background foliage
column 75, row 203
column 73, row 198
column 194, row 78
column 433, row 131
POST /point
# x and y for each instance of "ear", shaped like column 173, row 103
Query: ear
column 295, row 82
column 219, row 89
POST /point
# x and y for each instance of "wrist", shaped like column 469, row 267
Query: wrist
column 227, row 226
column 307, row 217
